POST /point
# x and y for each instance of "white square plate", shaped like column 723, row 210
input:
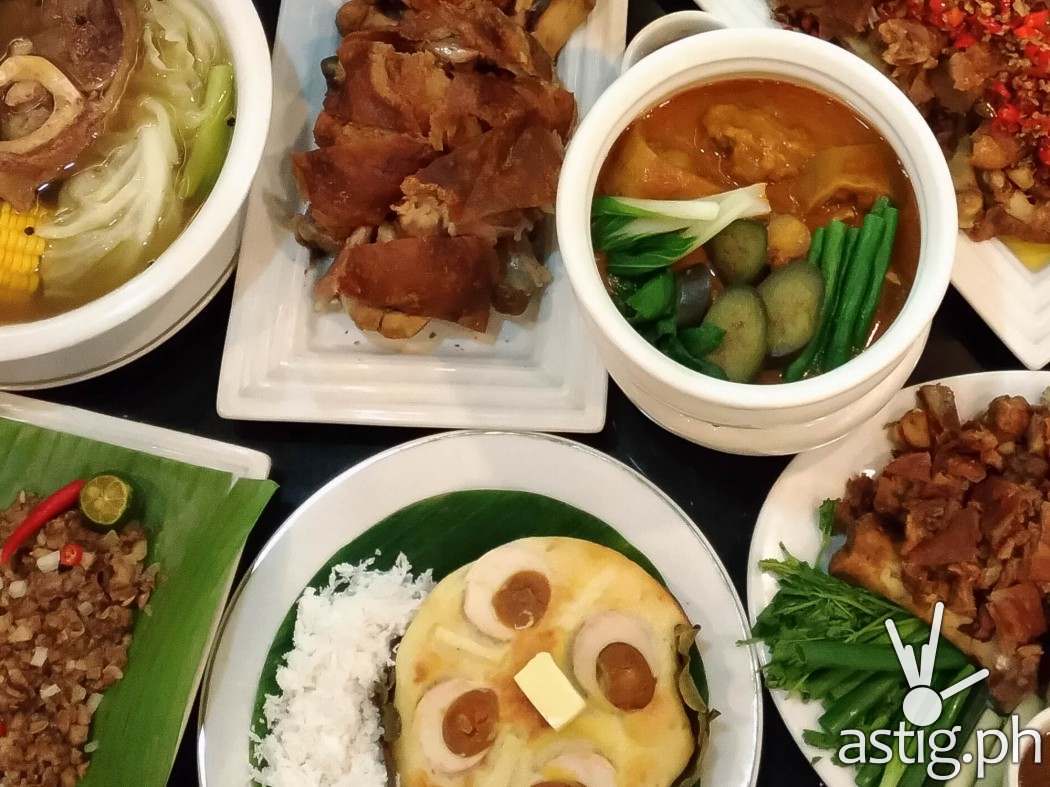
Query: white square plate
column 285, row 361
column 1014, row 301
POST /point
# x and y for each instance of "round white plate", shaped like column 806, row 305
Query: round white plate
column 363, row 495
column 790, row 511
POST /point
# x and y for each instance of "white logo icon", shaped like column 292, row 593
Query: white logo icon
column 923, row 703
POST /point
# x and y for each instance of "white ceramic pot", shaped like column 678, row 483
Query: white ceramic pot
column 1041, row 724
column 151, row 307
column 719, row 408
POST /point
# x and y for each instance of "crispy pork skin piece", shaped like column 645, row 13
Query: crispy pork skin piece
column 499, row 100
column 95, row 45
column 486, row 187
column 326, row 289
column 353, row 181
column 446, row 278
column 472, row 31
column 385, row 88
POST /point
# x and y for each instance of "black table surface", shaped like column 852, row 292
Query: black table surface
column 175, row 386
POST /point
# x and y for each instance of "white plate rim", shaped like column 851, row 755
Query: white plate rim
column 746, row 653
column 993, row 383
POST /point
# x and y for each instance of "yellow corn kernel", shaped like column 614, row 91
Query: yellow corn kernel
column 20, row 251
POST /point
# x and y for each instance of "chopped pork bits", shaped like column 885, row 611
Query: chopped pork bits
column 979, row 70
column 64, row 638
column 961, row 514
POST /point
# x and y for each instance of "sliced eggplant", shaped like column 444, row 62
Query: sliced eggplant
column 738, row 253
column 694, row 295
column 740, row 313
column 792, row 296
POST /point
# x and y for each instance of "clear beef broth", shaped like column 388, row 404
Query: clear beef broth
column 29, row 19
column 678, row 135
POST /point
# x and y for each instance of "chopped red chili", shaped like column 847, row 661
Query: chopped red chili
column 965, row 40
column 1037, row 20
column 1008, row 115
column 71, row 555
column 42, row 513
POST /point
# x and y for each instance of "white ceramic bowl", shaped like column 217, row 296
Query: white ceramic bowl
column 716, row 404
column 1041, row 724
column 149, row 308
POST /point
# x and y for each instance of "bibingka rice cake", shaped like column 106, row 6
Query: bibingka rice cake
column 610, row 629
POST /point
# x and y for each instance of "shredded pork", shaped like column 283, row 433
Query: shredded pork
column 64, row 638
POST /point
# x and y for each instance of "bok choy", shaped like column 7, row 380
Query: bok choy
column 639, row 236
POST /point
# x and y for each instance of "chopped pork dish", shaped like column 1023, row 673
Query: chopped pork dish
column 438, row 153
column 961, row 514
column 68, row 602
column 978, row 70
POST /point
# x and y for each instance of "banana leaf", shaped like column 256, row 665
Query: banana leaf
column 448, row 531
column 197, row 520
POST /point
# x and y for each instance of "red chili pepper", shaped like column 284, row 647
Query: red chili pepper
column 42, row 513
column 965, row 40
column 1039, row 56
column 1044, row 153
column 1037, row 19
column 71, row 554
column 1008, row 116
column 1024, row 32
column 1001, row 88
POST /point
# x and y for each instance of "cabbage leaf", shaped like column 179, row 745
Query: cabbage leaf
column 124, row 208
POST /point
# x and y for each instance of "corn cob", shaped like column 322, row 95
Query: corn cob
column 20, row 251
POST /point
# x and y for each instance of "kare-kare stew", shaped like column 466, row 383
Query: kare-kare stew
column 756, row 230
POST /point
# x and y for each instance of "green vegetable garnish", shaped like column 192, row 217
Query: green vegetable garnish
column 862, row 330
column 654, row 298
column 826, row 523
column 106, row 500
column 856, row 283
column 831, row 266
column 812, row 606
column 641, row 236
column 702, row 340
column 213, row 135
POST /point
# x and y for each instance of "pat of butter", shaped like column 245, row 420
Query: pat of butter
column 549, row 691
